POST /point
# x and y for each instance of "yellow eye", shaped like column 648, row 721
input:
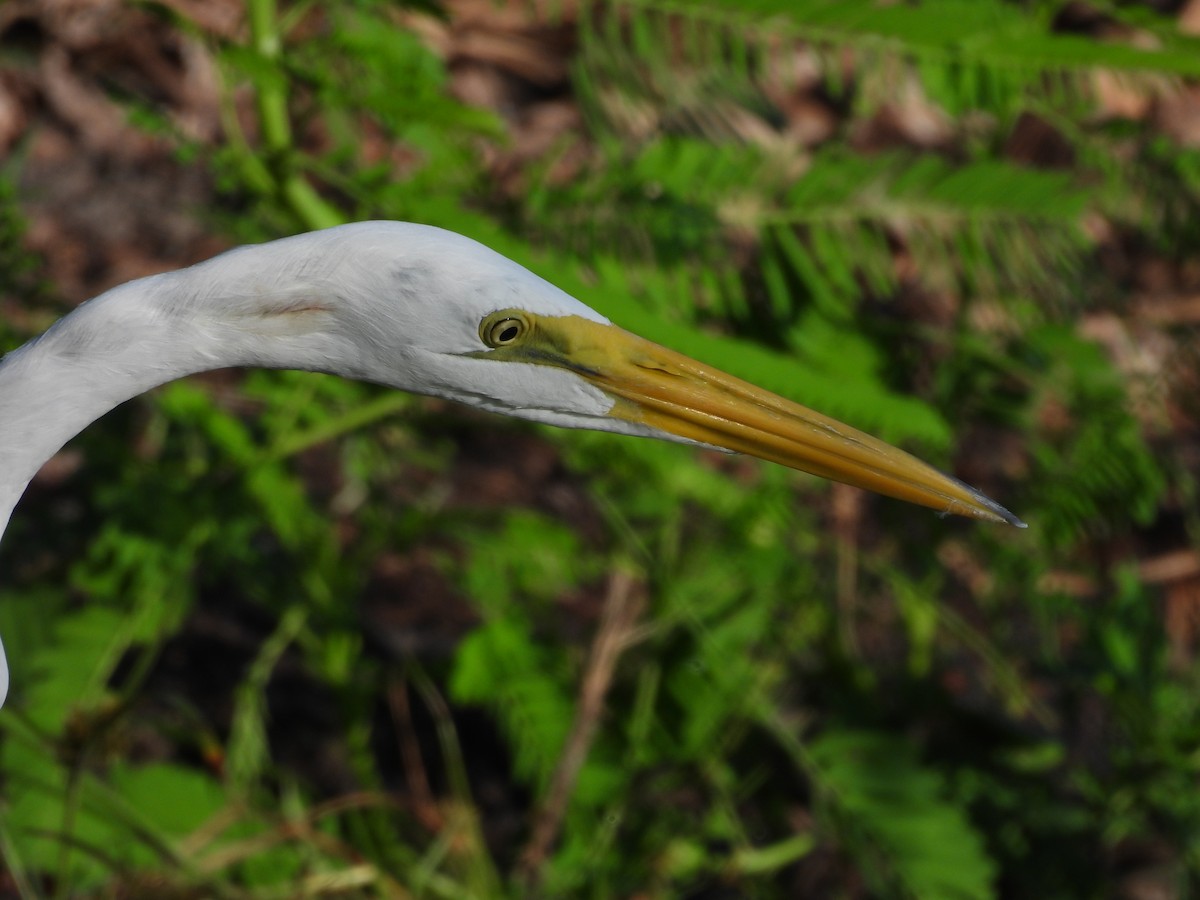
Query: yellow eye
column 503, row 328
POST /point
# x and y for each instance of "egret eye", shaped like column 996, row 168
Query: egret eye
column 502, row 329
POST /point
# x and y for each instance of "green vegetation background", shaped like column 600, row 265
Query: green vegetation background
column 803, row 691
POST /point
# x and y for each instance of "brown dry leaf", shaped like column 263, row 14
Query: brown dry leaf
column 89, row 113
column 1143, row 355
column 221, row 18
column 1119, row 97
column 14, row 116
column 1182, row 621
column 1178, row 115
column 519, row 54
column 958, row 557
column 1169, row 310
column 507, row 37
column 1175, row 567
column 1189, row 18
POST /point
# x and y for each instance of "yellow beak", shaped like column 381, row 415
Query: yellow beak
column 673, row 393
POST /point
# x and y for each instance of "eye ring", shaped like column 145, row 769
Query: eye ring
column 503, row 329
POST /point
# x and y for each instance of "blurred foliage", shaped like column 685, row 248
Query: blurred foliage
column 875, row 704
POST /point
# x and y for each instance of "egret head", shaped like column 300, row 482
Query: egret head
column 437, row 313
column 428, row 311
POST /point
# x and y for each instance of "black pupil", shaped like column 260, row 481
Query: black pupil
column 509, row 333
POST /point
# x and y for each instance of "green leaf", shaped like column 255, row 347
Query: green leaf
column 171, row 799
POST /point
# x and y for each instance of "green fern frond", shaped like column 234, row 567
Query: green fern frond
column 894, row 815
column 988, row 226
column 1097, row 474
column 500, row 666
column 989, row 53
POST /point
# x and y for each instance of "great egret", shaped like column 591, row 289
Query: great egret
column 429, row 311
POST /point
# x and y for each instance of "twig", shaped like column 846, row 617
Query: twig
column 847, row 516
column 424, row 806
column 622, row 606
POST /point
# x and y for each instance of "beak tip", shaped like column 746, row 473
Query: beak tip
column 990, row 509
column 1010, row 519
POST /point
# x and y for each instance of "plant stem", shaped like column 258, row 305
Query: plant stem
column 622, row 607
column 271, row 89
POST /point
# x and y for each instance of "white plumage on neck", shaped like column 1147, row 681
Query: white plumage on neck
column 391, row 302
column 110, row 349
